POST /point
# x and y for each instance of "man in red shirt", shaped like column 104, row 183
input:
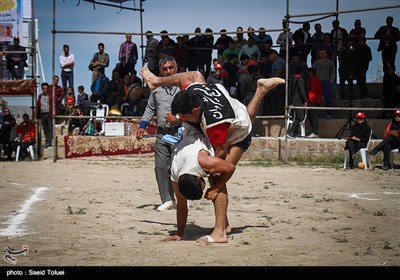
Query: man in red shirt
column 26, row 136
column 314, row 100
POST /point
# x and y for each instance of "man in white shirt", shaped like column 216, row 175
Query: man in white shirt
column 67, row 62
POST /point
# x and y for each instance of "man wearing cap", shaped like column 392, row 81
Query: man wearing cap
column 16, row 59
column 358, row 138
column 390, row 141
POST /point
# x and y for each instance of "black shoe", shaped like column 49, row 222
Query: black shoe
column 373, row 152
column 385, row 168
column 47, row 145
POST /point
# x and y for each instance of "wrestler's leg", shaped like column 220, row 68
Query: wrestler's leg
column 263, row 87
column 179, row 79
column 222, row 227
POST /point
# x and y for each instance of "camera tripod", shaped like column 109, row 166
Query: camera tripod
column 349, row 122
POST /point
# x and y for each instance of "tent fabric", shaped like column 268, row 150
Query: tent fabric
column 17, row 87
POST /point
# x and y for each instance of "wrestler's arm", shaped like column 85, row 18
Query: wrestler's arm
column 220, row 169
column 181, row 214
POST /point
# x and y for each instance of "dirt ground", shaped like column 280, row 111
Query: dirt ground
column 101, row 212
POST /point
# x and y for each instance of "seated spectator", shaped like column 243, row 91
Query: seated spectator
column 215, row 76
column 358, row 138
column 390, row 141
column 100, row 87
column 16, row 59
column 25, row 137
column 69, row 100
column 82, row 96
column 77, row 123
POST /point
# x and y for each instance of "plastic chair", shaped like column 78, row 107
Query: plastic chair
column 100, row 114
column 391, row 159
column 29, row 149
column 364, row 155
column 302, row 124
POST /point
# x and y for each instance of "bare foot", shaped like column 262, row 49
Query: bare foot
column 209, row 239
column 148, row 77
column 172, row 238
column 266, row 85
column 228, row 230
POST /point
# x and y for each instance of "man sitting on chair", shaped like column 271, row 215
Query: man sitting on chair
column 26, row 137
column 390, row 141
column 359, row 136
column 18, row 58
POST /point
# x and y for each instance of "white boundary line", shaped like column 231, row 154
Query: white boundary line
column 14, row 222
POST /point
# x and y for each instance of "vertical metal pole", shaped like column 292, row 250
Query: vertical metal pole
column 53, row 88
column 34, row 73
column 141, row 30
column 287, row 80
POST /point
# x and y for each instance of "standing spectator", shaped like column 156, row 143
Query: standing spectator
column 325, row 70
column 314, row 100
column 5, row 130
column 195, row 59
column 297, row 98
column 249, row 85
column 100, row 87
column 390, row 141
column 67, row 62
column 59, row 94
column 100, row 59
column 388, row 36
column 2, row 48
column 281, row 40
column 231, row 70
column 391, row 90
column 82, row 96
column 357, row 33
column 317, row 41
column 180, row 53
column 302, row 41
column 222, row 44
column 206, row 52
column 359, row 136
column 365, row 54
column 149, row 54
column 231, row 49
column 44, row 112
column 159, row 104
column 338, row 35
column 239, row 38
column 127, row 56
column 250, row 48
column 16, row 59
column 171, row 42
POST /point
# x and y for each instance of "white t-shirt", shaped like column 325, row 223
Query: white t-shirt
column 185, row 158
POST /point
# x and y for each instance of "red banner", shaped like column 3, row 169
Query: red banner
column 17, row 87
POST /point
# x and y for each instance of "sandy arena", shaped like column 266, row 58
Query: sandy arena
column 101, row 212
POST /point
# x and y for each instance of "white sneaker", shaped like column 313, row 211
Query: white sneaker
column 312, row 135
column 168, row 205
